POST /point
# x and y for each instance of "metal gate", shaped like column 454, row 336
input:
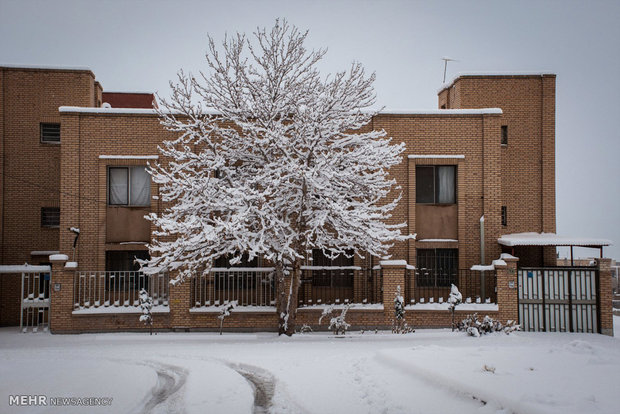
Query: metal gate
column 35, row 306
column 559, row 299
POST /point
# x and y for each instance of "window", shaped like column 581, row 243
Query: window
column 437, row 267
column 122, row 270
column 50, row 133
column 504, row 135
column 129, row 186
column 436, row 184
column 50, row 217
column 504, row 216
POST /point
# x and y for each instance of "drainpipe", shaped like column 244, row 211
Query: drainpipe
column 482, row 260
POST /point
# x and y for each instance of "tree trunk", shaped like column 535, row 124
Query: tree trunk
column 294, row 297
column 281, row 298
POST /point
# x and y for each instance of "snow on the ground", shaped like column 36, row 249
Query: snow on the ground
column 429, row 371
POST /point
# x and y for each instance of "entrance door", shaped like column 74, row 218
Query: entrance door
column 559, row 299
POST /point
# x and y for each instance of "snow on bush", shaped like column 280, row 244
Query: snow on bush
column 338, row 324
column 146, row 305
column 225, row 312
column 399, row 325
column 454, row 300
column 474, row 327
column 272, row 159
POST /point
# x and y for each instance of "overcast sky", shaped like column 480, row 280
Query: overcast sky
column 140, row 45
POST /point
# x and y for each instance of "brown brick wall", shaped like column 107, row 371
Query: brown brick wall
column 30, row 169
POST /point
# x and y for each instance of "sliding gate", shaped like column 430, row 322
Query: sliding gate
column 559, row 299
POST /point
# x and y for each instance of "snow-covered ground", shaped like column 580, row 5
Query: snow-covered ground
column 429, row 371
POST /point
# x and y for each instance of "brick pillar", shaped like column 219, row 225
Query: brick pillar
column 605, row 296
column 507, row 290
column 61, row 295
column 393, row 276
column 180, row 304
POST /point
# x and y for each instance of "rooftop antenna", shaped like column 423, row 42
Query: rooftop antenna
column 445, row 66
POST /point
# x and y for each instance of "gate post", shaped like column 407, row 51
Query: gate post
column 393, row 276
column 507, row 289
column 604, row 295
column 61, row 295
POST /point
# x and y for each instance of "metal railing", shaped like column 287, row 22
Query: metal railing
column 339, row 285
column 251, row 286
column 433, row 286
column 118, row 289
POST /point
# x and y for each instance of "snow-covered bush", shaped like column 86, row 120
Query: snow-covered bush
column 227, row 308
column 338, row 324
column 146, row 305
column 474, row 327
column 272, row 159
column 454, row 300
column 399, row 325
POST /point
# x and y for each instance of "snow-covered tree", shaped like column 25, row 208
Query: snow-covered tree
column 146, row 305
column 272, row 159
column 227, row 308
column 455, row 299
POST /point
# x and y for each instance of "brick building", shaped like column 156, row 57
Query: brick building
column 482, row 164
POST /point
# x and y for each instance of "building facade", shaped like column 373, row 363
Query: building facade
column 73, row 157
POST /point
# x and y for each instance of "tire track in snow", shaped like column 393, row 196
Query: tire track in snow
column 167, row 394
column 263, row 383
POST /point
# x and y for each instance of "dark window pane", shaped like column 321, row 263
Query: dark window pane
column 50, row 216
column 424, row 184
column 504, row 134
column 123, row 260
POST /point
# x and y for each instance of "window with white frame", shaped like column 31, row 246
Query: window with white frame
column 129, row 186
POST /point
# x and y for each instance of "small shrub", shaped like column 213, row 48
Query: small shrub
column 146, row 304
column 337, row 324
column 474, row 327
column 225, row 312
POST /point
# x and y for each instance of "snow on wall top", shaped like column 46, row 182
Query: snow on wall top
column 549, row 239
column 25, row 268
column 143, row 111
column 509, row 73
column 483, row 111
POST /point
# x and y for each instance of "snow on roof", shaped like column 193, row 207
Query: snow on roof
column 109, row 111
column 44, row 67
column 43, row 252
column 59, row 257
column 25, row 268
column 129, row 157
column 500, row 73
column 455, row 156
column 483, row 111
column 549, row 239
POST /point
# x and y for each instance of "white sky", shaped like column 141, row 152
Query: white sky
column 140, row 45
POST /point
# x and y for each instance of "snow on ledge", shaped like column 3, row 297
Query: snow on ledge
column 499, row 262
column 438, row 240
column 25, row 268
column 549, row 239
column 238, row 309
column 129, row 157
column 43, row 252
column 340, row 306
column 482, row 268
column 106, row 310
column 71, row 265
column 438, row 156
column 393, row 263
column 331, row 268
column 508, row 256
column 58, row 257
column 44, row 67
column 488, row 307
column 483, row 111
column 109, row 111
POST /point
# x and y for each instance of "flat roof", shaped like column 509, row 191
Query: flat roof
column 26, row 268
column 549, row 239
